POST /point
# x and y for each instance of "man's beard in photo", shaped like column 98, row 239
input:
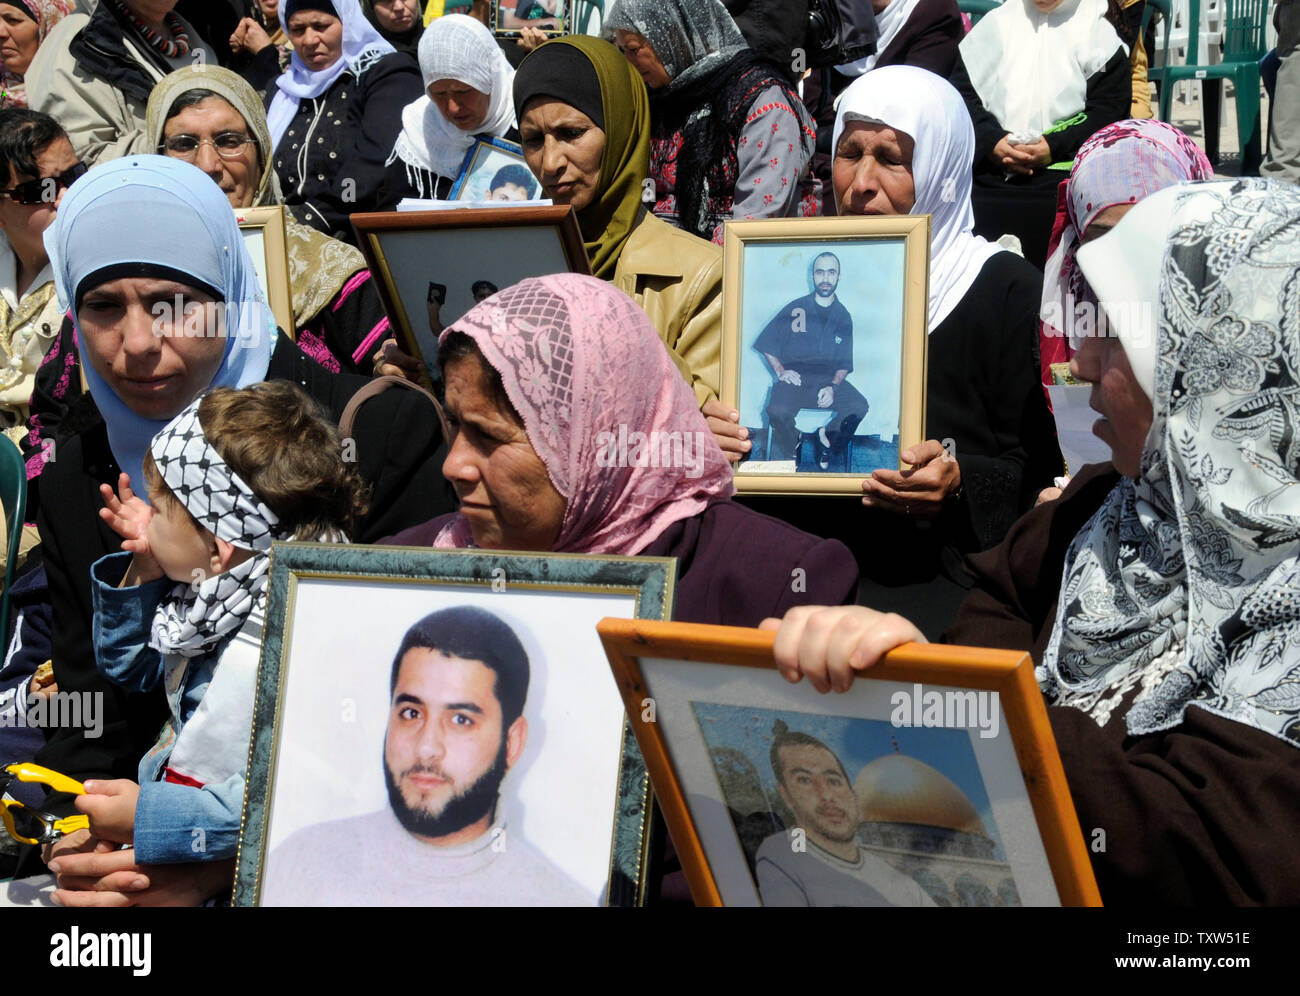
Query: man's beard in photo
column 462, row 809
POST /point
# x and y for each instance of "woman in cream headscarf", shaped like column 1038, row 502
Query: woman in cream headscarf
column 1038, row 77
column 337, row 314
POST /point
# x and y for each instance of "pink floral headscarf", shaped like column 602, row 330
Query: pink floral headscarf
column 603, row 406
column 1121, row 164
column 47, row 13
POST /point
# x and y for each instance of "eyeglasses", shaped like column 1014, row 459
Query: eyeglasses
column 229, row 145
column 46, row 189
column 32, row 826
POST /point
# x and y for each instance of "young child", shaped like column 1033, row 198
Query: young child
column 234, row 471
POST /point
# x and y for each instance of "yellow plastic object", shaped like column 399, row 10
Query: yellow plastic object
column 71, row 824
column 54, row 828
column 25, row 771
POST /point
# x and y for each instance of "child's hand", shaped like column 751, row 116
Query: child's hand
column 111, row 808
column 129, row 516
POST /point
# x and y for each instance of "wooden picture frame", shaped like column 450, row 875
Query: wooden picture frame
column 414, row 255
column 559, row 11
column 267, row 242
column 484, row 161
column 808, row 441
column 329, row 707
column 691, row 689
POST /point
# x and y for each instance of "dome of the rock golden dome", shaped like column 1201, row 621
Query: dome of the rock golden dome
column 901, row 789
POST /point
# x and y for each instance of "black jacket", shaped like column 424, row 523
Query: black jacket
column 399, row 451
column 331, row 158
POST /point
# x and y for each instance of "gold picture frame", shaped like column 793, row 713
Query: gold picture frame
column 703, row 729
column 805, row 440
column 268, row 245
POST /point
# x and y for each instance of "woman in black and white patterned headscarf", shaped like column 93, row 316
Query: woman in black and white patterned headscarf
column 1162, row 595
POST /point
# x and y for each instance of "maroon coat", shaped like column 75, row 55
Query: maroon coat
column 735, row 567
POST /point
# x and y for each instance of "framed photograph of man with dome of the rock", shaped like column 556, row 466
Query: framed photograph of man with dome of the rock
column 824, row 347
column 933, row 781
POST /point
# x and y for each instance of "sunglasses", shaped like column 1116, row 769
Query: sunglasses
column 32, row 826
column 46, row 189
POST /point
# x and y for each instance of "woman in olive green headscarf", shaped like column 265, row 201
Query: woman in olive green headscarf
column 584, row 121
column 337, row 313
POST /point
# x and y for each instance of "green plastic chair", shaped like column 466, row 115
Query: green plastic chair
column 582, row 12
column 1243, row 47
column 1165, row 9
column 975, row 9
column 13, row 497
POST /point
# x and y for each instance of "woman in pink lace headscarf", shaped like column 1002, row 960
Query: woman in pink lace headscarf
column 1117, row 167
column 573, row 432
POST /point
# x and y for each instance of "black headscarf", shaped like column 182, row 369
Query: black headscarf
column 407, row 41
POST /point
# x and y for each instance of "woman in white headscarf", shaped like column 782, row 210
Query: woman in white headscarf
column 1158, row 594
column 468, row 94
column 335, row 112
column 902, row 145
column 1039, row 77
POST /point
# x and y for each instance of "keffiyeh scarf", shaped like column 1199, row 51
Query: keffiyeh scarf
column 199, row 617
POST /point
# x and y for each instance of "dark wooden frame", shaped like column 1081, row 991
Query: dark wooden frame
column 371, row 226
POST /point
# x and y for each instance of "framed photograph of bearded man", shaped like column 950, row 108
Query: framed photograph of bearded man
column 824, row 347
column 440, row 728
column 933, row 781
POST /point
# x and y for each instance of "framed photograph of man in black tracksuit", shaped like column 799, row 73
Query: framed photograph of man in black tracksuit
column 823, row 347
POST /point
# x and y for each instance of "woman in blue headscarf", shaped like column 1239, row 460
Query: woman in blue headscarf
column 166, row 304
column 336, row 112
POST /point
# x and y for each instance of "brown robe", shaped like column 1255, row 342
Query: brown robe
column 1205, row 814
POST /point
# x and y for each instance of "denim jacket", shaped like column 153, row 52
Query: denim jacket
column 196, row 816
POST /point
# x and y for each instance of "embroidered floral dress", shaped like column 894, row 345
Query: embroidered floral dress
column 765, row 173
